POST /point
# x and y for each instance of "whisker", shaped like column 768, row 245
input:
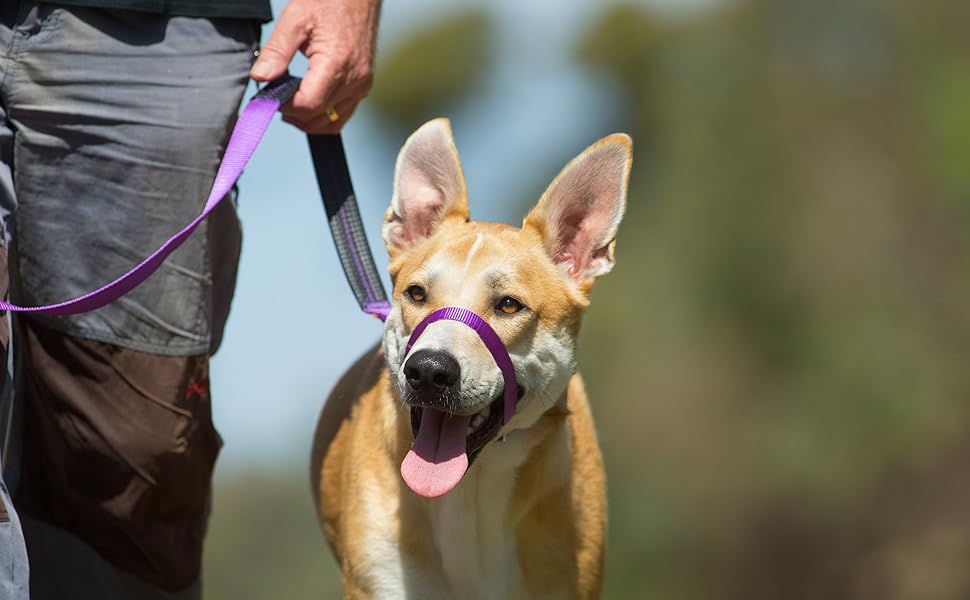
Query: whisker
column 545, row 398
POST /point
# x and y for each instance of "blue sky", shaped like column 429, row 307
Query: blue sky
column 294, row 325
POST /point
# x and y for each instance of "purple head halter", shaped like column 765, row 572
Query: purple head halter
column 491, row 340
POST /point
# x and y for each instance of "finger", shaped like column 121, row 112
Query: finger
column 318, row 126
column 321, row 124
column 275, row 55
column 318, row 86
column 342, row 110
column 347, row 96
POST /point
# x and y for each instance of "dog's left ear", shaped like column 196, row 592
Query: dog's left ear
column 429, row 187
column 579, row 212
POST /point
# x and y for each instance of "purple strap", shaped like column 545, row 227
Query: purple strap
column 491, row 340
column 379, row 309
column 252, row 123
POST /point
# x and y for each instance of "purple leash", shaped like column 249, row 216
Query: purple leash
column 252, row 123
column 340, row 204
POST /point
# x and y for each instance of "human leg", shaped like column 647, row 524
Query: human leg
column 119, row 121
column 13, row 551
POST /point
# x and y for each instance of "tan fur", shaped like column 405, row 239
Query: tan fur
column 528, row 519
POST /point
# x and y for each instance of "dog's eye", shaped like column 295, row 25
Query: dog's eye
column 508, row 305
column 416, row 293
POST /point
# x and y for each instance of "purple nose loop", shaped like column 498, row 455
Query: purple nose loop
column 491, row 340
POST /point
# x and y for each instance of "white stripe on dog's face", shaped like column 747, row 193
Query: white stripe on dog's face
column 471, row 254
column 548, row 266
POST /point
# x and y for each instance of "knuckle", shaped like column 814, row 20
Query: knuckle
column 274, row 49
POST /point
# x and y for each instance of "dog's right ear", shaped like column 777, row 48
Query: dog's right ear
column 429, row 188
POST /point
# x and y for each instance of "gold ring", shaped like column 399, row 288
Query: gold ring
column 332, row 115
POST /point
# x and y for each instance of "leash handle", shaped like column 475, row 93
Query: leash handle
column 340, row 204
column 250, row 126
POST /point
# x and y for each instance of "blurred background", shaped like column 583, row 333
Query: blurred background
column 779, row 365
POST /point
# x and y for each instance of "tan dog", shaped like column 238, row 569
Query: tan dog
column 527, row 518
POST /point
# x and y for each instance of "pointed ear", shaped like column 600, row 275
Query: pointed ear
column 429, row 187
column 579, row 212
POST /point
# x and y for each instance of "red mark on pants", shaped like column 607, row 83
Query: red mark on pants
column 197, row 387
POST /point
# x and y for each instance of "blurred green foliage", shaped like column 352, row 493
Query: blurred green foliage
column 430, row 71
column 780, row 363
column 264, row 540
column 625, row 41
column 790, row 306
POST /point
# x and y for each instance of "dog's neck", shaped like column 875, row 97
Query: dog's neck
column 474, row 527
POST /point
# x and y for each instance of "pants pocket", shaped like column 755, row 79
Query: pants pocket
column 119, row 449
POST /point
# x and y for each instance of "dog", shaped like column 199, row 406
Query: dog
column 513, row 509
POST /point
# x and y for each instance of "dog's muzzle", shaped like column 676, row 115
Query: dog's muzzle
column 492, row 341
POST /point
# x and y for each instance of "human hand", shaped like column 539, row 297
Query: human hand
column 337, row 37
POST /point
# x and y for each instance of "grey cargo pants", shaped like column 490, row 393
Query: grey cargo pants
column 112, row 124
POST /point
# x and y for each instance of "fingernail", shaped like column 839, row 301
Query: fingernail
column 262, row 69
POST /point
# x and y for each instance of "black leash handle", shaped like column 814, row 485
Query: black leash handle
column 340, row 204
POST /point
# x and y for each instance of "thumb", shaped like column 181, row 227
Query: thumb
column 278, row 51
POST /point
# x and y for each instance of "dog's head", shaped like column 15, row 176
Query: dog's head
column 531, row 284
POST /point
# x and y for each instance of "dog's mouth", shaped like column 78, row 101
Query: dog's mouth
column 482, row 426
column 445, row 445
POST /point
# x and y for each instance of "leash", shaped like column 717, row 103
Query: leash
column 340, row 204
column 250, row 126
column 339, row 201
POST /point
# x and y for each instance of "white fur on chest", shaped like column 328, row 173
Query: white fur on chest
column 474, row 532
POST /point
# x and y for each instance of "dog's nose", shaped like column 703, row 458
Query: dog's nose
column 431, row 371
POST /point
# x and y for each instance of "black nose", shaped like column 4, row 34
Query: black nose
column 431, row 371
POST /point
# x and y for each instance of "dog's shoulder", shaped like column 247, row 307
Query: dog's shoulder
column 332, row 429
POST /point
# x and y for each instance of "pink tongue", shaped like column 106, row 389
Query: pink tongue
column 436, row 461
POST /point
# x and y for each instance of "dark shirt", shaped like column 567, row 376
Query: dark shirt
column 238, row 9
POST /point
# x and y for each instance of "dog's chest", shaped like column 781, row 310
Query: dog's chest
column 474, row 535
